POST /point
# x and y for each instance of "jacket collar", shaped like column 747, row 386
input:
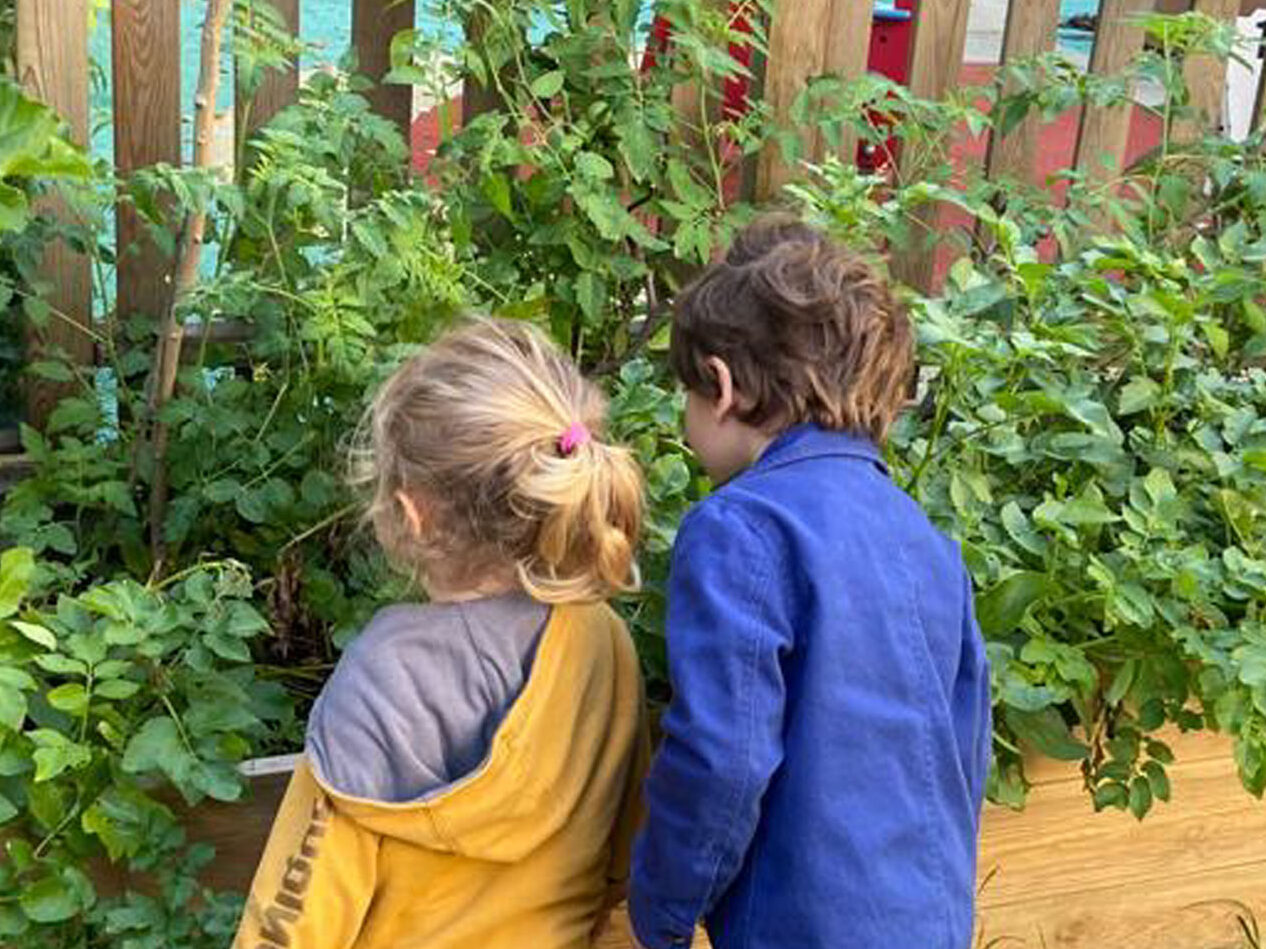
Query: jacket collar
column 812, row 441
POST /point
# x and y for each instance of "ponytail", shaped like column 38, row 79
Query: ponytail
column 499, row 437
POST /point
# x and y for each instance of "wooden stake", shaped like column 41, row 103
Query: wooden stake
column 1105, row 131
column 52, row 54
column 1206, row 78
column 940, row 33
column 1030, row 31
column 189, row 254
column 374, row 24
column 146, row 63
column 279, row 88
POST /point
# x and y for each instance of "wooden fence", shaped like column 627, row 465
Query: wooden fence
column 824, row 36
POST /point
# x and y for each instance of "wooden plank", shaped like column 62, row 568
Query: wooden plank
column 846, row 56
column 477, row 98
column 374, row 24
column 146, row 132
column 797, row 49
column 52, row 56
column 1030, row 31
column 1079, row 880
column 278, row 89
column 940, row 32
column 1103, row 134
column 1206, row 78
column 1259, row 107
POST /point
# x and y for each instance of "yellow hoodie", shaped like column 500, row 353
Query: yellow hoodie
column 523, row 852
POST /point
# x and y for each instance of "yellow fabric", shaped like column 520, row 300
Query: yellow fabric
column 524, row 852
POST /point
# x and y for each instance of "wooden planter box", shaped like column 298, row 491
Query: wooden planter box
column 1056, row 875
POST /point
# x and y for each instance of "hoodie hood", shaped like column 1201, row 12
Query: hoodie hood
column 541, row 759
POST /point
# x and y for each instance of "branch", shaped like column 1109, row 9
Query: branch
column 188, row 257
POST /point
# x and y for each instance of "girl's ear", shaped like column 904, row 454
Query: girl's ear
column 412, row 513
column 724, row 403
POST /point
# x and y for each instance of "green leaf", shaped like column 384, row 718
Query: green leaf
column 12, row 707
column 496, row 191
column 55, row 753
column 547, row 85
column 18, row 678
column 61, row 665
column 227, row 647
column 50, row 900
column 7, row 809
column 13, row 921
column 594, row 166
column 116, row 689
column 71, row 698
column 123, row 819
column 638, row 148
column 1138, row 394
column 1140, row 797
column 1001, row 609
column 17, row 568
column 158, row 747
column 1121, row 682
column 1021, row 531
column 591, row 294
column 1157, row 779
column 1112, row 794
column 1046, row 732
column 40, row 635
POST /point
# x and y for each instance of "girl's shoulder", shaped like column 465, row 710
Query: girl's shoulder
column 410, row 702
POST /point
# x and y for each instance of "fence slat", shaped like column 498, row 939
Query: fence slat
column 1030, row 31
column 797, row 48
column 374, row 24
column 146, row 132
column 278, row 88
column 846, row 56
column 1105, row 130
column 1206, row 77
column 1259, row 104
column 52, row 54
column 940, row 33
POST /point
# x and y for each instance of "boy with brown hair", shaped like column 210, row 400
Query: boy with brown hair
column 827, row 745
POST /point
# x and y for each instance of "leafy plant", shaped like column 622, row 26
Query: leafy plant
column 1090, row 430
column 102, row 695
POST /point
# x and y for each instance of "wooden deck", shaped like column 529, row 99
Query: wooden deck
column 1056, row 876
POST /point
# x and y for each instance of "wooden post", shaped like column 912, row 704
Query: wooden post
column 940, row 33
column 797, row 48
column 1206, row 77
column 52, row 55
column 477, row 98
column 1105, row 131
column 1030, row 31
column 1259, row 106
column 374, row 24
column 146, row 132
column 808, row 38
column 278, row 89
column 847, row 55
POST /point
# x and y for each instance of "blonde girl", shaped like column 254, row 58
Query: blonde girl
column 470, row 773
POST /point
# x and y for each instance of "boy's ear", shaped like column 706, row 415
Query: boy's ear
column 725, row 400
column 412, row 513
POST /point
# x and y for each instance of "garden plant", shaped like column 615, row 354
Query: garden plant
column 1090, row 420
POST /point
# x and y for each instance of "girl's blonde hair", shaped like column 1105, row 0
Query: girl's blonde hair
column 480, row 430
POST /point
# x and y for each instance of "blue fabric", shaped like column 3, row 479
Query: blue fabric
column 826, row 748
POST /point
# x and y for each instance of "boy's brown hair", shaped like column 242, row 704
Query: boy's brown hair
column 809, row 330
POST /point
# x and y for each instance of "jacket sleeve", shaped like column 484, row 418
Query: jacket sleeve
column 316, row 878
column 728, row 631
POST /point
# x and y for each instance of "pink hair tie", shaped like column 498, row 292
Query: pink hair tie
column 575, row 436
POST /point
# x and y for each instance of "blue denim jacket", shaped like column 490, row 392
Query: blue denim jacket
column 826, row 749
